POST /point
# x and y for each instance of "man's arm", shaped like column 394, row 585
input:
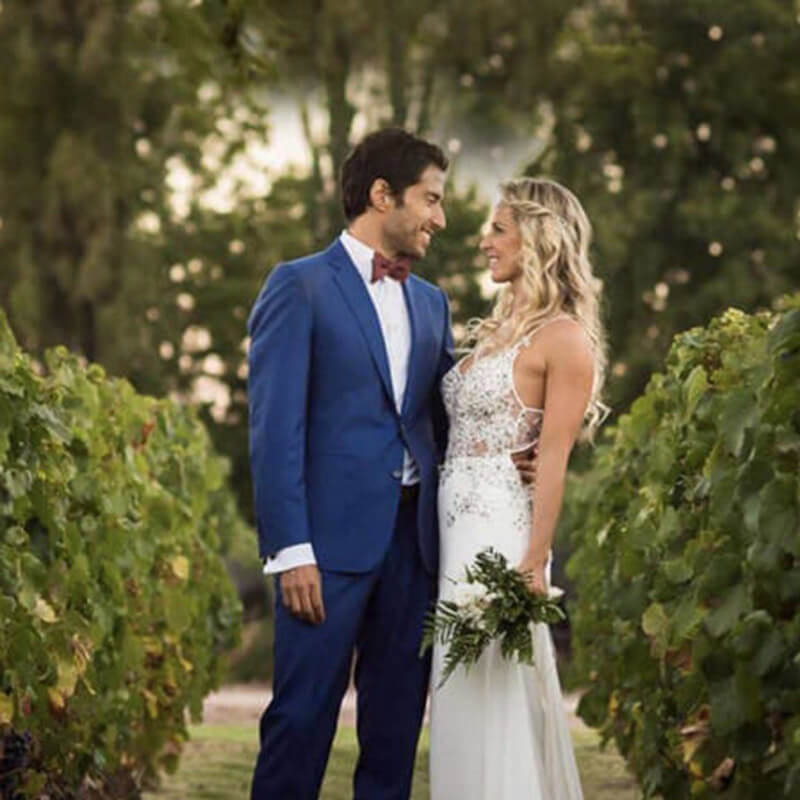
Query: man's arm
column 280, row 329
column 279, row 362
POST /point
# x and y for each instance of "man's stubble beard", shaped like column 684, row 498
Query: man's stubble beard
column 403, row 239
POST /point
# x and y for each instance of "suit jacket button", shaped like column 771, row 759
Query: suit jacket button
column 397, row 474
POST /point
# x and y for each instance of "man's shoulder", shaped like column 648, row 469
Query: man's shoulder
column 303, row 264
column 308, row 268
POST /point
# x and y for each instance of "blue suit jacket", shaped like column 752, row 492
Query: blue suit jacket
column 326, row 441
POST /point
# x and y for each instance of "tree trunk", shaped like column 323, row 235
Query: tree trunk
column 396, row 63
column 425, row 117
column 315, row 198
column 340, row 110
column 87, row 322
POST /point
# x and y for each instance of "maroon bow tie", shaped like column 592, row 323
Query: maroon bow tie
column 397, row 268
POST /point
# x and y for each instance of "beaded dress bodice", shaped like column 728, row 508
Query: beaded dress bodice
column 486, row 415
column 488, row 422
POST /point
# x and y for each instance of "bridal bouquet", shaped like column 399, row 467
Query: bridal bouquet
column 493, row 603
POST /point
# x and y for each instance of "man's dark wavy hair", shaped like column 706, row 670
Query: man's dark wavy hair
column 393, row 154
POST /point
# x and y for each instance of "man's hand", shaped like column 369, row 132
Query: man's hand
column 301, row 591
column 525, row 462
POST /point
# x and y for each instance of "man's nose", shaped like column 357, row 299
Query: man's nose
column 439, row 219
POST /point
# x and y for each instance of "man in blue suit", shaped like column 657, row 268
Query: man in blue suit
column 347, row 428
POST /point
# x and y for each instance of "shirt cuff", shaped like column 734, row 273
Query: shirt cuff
column 298, row 555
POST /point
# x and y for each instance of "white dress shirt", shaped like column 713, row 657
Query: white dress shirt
column 390, row 307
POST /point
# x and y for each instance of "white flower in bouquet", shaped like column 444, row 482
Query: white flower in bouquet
column 471, row 599
column 554, row 593
column 469, row 594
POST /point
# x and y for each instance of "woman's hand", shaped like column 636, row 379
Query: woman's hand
column 533, row 570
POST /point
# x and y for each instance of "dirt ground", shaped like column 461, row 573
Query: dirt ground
column 245, row 703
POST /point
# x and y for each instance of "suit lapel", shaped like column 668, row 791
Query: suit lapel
column 355, row 293
column 414, row 319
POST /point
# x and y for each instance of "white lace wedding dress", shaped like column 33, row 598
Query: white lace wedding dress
column 498, row 730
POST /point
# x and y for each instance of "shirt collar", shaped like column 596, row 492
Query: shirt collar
column 360, row 254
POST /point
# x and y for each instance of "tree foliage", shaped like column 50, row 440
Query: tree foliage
column 687, row 561
column 676, row 125
column 115, row 606
column 474, row 73
column 103, row 98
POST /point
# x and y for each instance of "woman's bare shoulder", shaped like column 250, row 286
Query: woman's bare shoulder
column 563, row 338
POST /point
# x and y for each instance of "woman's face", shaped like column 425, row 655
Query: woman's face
column 502, row 243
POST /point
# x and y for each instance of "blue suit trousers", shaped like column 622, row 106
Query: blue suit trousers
column 377, row 616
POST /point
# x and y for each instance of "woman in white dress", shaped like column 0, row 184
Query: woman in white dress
column 532, row 380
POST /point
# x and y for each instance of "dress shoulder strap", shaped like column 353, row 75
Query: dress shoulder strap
column 528, row 337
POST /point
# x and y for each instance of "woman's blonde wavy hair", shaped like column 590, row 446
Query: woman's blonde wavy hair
column 556, row 276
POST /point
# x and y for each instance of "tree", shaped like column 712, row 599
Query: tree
column 676, row 128
column 103, row 95
column 445, row 69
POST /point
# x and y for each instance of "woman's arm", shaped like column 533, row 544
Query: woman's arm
column 569, row 370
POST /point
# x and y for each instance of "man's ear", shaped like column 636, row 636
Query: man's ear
column 380, row 195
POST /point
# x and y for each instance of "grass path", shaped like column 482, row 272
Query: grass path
column 217, row 763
